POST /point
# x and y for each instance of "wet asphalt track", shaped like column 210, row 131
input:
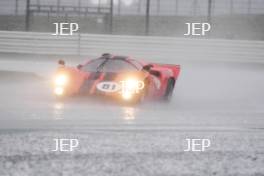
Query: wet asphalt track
column 223, row 102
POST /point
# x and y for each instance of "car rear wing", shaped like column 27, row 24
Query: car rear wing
column 175, row 68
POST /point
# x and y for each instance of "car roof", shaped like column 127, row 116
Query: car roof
column 110, row 56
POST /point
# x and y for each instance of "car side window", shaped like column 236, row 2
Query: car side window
column 136, row 63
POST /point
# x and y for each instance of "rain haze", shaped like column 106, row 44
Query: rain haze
column 212, row 125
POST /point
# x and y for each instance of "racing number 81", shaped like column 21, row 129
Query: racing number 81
column 107, row 86
column 132, row 86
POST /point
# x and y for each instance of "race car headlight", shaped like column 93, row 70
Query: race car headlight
column 131, row 87
column 61, row 80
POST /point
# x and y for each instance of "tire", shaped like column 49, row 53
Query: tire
column 169, row 90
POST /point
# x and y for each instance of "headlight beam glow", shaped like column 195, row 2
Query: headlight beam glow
column 61, row 80
column 130, row 87
column 59, row 91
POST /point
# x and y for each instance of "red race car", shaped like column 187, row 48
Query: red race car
column 122, row 78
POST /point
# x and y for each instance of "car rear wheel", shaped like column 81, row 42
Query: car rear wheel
column 169, row 90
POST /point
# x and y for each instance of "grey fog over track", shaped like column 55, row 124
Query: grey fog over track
column 220, row 101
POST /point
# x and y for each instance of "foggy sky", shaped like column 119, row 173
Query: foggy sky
column 166, row 7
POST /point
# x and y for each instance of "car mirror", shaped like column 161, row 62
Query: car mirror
column 147, row 67
column 155, row 73
column 79, row 67
column 61, row 62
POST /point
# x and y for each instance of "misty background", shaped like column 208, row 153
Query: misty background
column 230, row 19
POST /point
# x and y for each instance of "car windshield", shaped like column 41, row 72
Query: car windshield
column 94, row 65
column 117, row 65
